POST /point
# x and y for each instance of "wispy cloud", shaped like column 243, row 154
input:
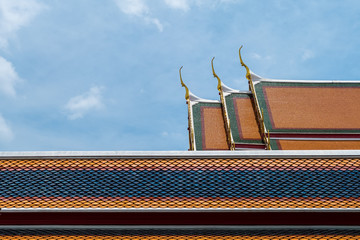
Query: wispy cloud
column 178, row 4
column 8, row 78
column 15, row 14
column 213, row 3
column 156, row 22
column 186, row 5
column 307, row 54
column 260, row 57
column 6, row 133
column 133, row 7
column 140, row 9
column 230, row 1
column 78, row 106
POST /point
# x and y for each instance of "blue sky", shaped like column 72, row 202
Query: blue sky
column 103, row 75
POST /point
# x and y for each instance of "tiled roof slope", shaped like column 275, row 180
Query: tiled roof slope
column 241, row 116
column 179, row 232
column 208, row 122
column 205, row 123
column 286, row 115
column 309, row 115
column 308, row 106
column 181, row 181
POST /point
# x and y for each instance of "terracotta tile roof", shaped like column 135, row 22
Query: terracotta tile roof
column 243, row 123
column 178, row 232
column 325, row 113
column 185, row 182
column 209, row 126
column 295, row 106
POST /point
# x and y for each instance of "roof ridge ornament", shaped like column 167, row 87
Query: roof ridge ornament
column 224, row 108
column 190, row 120
column 259, row 111
column 248, row 74
column 187, row 95
column 215, row 75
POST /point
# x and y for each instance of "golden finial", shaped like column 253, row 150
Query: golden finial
column 248, row 76
column 215, row 75
column 183, row 84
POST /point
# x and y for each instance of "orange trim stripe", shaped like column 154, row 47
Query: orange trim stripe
column 180, row 164
column 88, row 202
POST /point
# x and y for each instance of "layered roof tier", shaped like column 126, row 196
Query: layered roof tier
column 206, row 123
column 286, row 115
column 188, row 180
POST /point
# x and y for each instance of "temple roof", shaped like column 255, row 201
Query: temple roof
column 179, row 232
column 309, row 106
column 208, row 124
column 226, row 180
column 282, row 114
column 205, row 121
column 183, row 187
column 242, row 119
column 303, row 144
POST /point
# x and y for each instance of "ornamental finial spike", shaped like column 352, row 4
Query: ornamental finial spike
column 215, row 75
column 248, row 76
column 187, row 97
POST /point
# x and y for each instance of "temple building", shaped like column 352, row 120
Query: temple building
column 286, row 167
column 276, row 115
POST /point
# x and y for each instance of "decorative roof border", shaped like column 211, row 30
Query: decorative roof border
column 228, row 90
column 182, row 154
column 283, row 229
column 260, row 79
column 195, row 99
column 4, row 210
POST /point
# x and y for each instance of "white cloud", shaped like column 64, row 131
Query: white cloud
column 6, row 133
column 307, row 54
column 256, row 56
column 15, row 14
column 78, row 106
column 140, row 9
column 133, row 7
column 178, row 4
column 214, row 3
column 156, row 22
column 260, row 57
column 8, row 78
column 230, row 1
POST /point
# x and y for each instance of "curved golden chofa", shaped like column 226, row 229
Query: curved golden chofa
column 248, row 75
column 225, row 114
column 259, row 112
column 215, row 75
column 187, row 95
column 190, row 126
